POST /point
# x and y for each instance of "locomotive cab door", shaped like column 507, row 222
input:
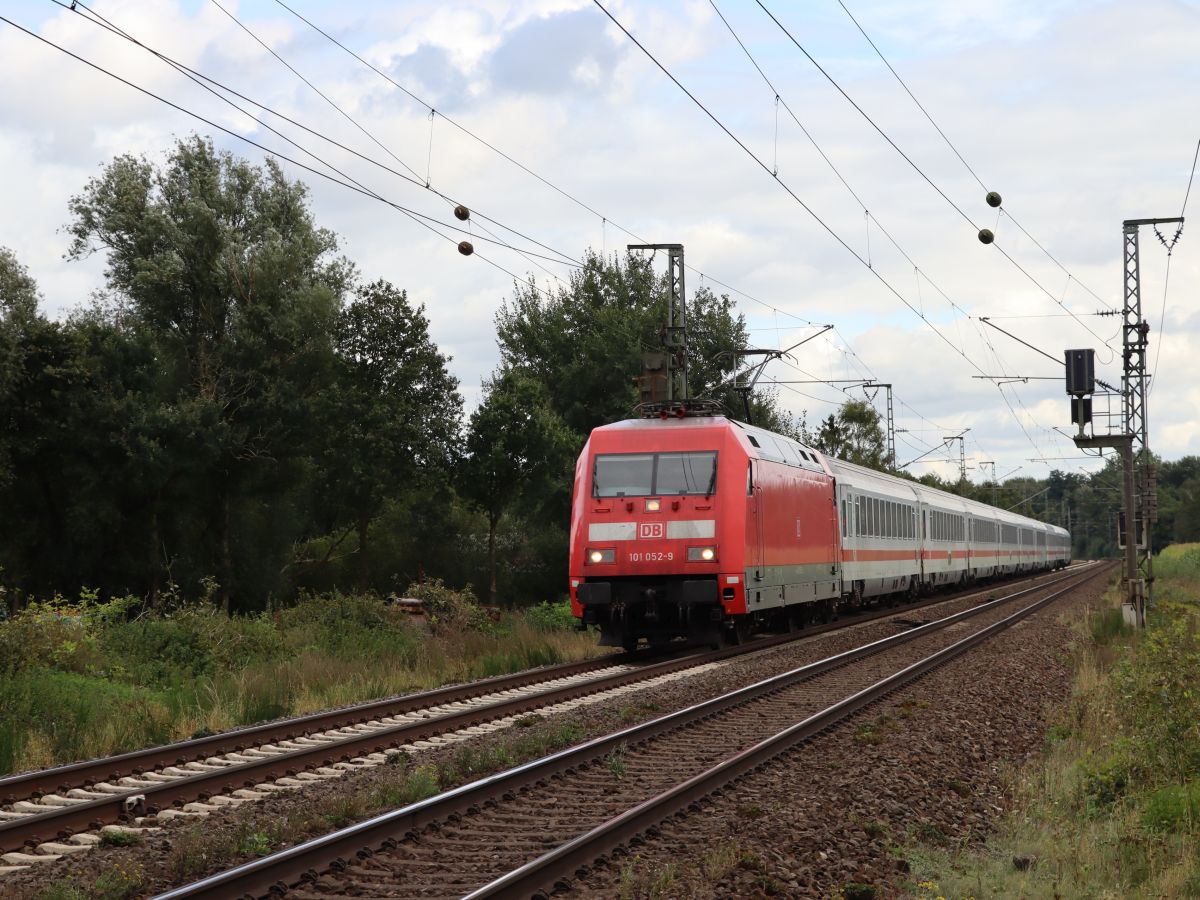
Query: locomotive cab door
column 754, row 525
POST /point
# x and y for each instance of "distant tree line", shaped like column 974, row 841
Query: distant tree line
column 238, row 415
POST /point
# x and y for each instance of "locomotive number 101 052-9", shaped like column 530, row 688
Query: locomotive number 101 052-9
column 652, row 556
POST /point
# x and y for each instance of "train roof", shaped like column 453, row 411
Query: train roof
column 780, row 448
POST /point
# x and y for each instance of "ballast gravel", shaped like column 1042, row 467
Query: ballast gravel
column 930, row 766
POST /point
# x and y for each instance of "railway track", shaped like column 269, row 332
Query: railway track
column 61, row 811
column 519, row 832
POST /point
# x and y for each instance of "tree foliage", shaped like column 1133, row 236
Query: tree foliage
column 518, row 451
column 583, row 342
column 854, row 434
column 391, row 413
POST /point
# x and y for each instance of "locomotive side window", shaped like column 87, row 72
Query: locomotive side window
column 843, row 517
column 749, row 479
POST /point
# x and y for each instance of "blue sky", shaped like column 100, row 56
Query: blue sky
column 1080, row 114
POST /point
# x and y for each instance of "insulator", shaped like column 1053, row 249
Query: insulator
column 462, row 213
column 993, row 199
column 985, row 236
column 466, row 249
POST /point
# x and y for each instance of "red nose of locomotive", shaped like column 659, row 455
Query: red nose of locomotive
column 646, row 538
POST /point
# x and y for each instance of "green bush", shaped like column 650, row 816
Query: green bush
column 1107, row 625
column 1173, row 808
column 1104, row 781
column 52, row 634
column 550, row 617
column 190, row 643
column 1179, row 561
column 450, row 610
column 348, row 626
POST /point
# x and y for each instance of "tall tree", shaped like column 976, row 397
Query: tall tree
column 18, row 310
column 518, row 449
column 854, row 434
column 392, row 414
column 219, row 264
column 584, row 342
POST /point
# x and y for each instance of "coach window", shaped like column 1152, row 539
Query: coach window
column 843, row 517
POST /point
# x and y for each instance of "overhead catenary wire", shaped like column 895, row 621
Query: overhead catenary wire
column 419, row 218
column 355, row 122
column 861, row 202
column 918, row 169
column 758, row 161
column 567, row 195
column 958, row 154
column 208, row 84
column 1162, row 314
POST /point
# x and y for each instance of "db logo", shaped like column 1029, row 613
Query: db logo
column 650, row 530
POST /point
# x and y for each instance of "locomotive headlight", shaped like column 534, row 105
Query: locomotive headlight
column 653, row 505
column 596, row 557
column 702, row 554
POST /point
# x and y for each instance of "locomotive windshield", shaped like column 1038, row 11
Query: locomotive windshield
column 658, row 474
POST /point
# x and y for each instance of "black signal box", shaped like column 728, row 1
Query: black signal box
column 1081, row 410
column 1081, row 372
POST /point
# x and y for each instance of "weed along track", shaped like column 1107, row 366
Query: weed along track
column 520, row 831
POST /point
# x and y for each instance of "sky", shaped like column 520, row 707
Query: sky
column 856, row 214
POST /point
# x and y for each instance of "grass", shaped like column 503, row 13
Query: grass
column 118, row 882
column 1112, row 807
column 83, row 679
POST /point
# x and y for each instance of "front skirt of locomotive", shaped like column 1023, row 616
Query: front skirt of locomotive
column 656, row 608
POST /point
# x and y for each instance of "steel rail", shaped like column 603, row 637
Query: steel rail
column 59, row 778
column 58, row 822
column 539, row 876
column 274, row 873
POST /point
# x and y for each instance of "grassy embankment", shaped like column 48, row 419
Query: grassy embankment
column 1112, row 808
column 82, row 679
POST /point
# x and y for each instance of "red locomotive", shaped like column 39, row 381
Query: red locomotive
column 703, row 527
